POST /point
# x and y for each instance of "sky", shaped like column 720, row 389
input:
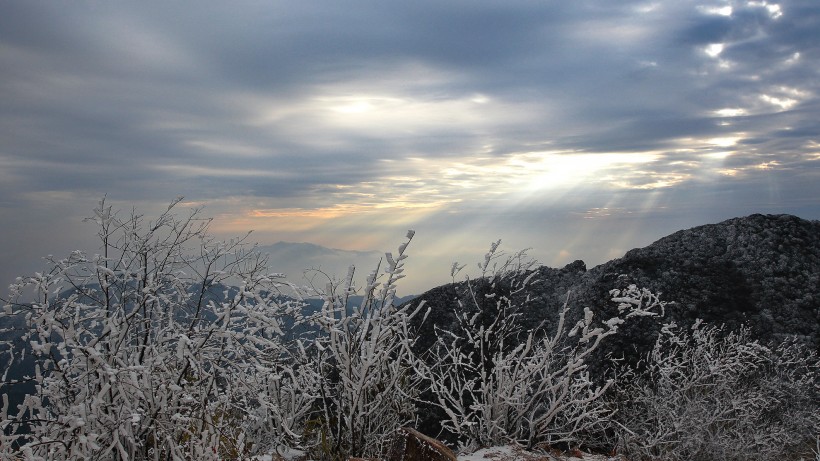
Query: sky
column 579, row 129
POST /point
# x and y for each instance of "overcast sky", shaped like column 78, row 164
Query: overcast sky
column 581, row 128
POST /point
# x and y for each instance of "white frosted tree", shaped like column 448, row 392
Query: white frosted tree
column 710, row 394
column 498, row 384
column 158, row 347
column 359, row 363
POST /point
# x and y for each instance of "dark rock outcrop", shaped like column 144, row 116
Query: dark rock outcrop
column 760, row 270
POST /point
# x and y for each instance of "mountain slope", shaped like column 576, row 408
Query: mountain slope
column 763, row 270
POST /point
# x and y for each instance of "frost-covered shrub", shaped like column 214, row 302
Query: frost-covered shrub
column 359, row 366
column 158, row 347
column 498, row 384
column 169, row 344
column 709, row 394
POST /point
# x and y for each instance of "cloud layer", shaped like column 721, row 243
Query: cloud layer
column 548, row 124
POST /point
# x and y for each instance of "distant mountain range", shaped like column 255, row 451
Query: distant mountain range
column 298, row 259
column 761, row 270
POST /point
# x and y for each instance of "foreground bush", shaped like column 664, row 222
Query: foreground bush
column 711, row 394
column 169, row 344
column 358, row 365
column 158, row 347
column 498, row 384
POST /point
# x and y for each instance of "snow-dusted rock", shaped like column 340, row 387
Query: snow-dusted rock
column 515, row 453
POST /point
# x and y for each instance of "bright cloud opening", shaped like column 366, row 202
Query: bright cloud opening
column 717, row 10
column 724, row 142
column 730, row 112
column 562, row 170
column 783, row 97
column 774, row 9
column 713, row 50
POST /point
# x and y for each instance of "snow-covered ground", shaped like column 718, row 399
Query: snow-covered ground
column 284, row 455
column 510, row 453
column 505, row 453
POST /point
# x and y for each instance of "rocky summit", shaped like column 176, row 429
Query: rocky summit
column 762, row 271
column 759, row 270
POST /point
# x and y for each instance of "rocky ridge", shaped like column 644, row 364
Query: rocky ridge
column 759, row 270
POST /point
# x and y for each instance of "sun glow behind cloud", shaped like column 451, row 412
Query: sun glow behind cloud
column 550, row 171
column 420, row 187
column 432, row 186
column 399, row 99
column 394, row 113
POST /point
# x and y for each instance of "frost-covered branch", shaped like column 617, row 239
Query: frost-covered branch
column 707, row 393
column 359, row 361
column 158, row 346
column 498, row 384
